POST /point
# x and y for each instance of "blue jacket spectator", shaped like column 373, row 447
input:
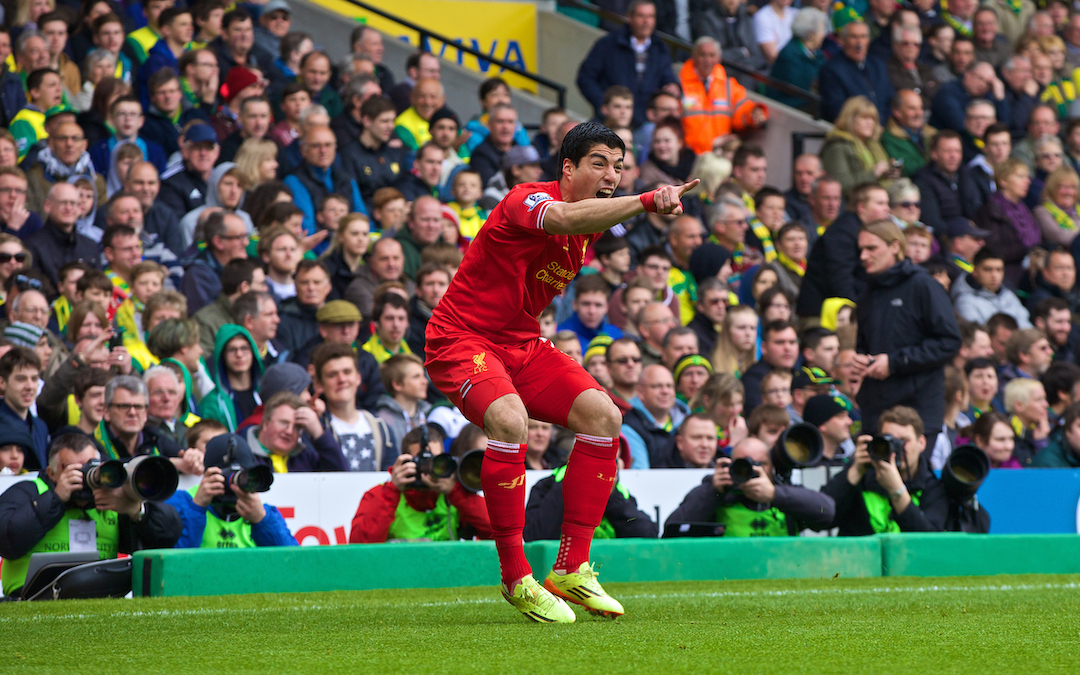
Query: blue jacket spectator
column 226, row 239
column 950, row 103
column 853, row 73
column 12, row 96
column 12, row 425
column 320, row 175
column 612, row 61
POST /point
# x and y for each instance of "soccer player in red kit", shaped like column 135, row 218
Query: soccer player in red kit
column 484, row 351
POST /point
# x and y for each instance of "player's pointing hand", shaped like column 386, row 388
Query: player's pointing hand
column 666, row 199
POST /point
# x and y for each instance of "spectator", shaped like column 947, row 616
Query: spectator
column 20, row 370
column 614, row 60
column 63, row 157
column 315, row 70
column 184, row 188
column 238, row 276
column 761, row 506
column 1014, row 20
column 729, row 22
column 298, row 314
column 280, row 251
column 779, row 350
column 833, row 422
column 590, row 311
column 825, row 200
column 199, row 77
column 978, row 81
column 319, row 175
column 57, row 243
column 126, row 117
column 165, row 116
column 165, row 413
column 978, row 117
column 703, row 79
column 255, row 119
column 990, row 45
column 653, row 322
column 997, row 145
column 906, row 136
column 257, row 313
column 1063, row 449
column 832, row 268
column 1025, row 401
column 15, row 218
column 419, row 66
column 806, row 171
column 36, row 511
column 374, row 162
column 275, row 20
column 442, row 510
column 1057, row 279
column 413, row 125
column 903, row 66
column 735, row 345
column 487, row 157
column 280, row 440
column 236, row 372
column 945, row 185
column 1021, row 92
column 44, row 91
column 391, row 318
column 853, row 73
column 226, row 239
column 981, row 294
column 236, row 44
column 690, row 373
column 623, row 359
column 852, row 153
column 124, row 431
column 1013, row 230
column 403, row 407
column 711, row 310
column 1057, row 214
column 176, row 27
column 367, row 442
column 889, row 494
column 902, row 351
column 424, row 228
column 1029, row 355
column 656, row 413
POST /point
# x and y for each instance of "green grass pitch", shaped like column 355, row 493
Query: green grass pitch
column 985, row 625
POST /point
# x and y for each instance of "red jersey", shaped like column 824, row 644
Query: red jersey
column 512, row 270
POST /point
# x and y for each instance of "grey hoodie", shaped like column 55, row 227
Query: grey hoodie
column 979, row 304
column 399, row 422
column 191, row 219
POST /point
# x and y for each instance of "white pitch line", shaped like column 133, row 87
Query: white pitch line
column 486, row 601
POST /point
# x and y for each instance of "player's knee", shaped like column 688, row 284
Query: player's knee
column 608, row 419
column 595, row 414
column 507, row 420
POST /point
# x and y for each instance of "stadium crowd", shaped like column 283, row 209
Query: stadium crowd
column 213, row 229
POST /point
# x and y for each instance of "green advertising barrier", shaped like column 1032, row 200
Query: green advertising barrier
column 718, row 559
column 947, row 555
column 300, row 569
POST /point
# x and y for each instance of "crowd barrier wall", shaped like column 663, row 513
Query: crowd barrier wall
column 195, row 572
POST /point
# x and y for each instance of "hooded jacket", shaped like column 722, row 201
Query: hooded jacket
column 651, row 445
column 220, row 404
column 213, row 199
column 397, row 420
column 975, row 303
column 202, row 280
column 906, row 314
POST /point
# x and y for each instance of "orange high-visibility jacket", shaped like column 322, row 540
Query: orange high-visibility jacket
column 721, row 110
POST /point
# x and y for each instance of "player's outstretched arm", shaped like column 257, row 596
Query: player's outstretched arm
column 590, row 216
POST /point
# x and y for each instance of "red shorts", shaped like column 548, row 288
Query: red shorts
column 473, row 371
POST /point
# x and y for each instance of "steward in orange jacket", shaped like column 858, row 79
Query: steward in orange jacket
column 720, row 108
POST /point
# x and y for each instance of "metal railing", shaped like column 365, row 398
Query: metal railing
column 425, row 36
column 679, row 45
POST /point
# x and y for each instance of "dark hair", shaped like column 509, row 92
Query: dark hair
column 160, row 79
column 466, row 440
column 428, row 269
column 291, row 42
column 998, row 127
column 745, row 152
column 293, row 88
column 581, row 139
column 278, row 212
column 766, row 192
column 388, row 300
column 979, row 364
column 944, row 135
column 94, row 279
column 75, row 441
column 776, row 327
column 18, row 357
column 308, row 265
column 1001, row 320
column 86, row 378
column 769, row 294
column 315, row 54
column 248, row 305
column 170, row 14
column 986, row 253
column 968, row 330
column 491, row 84
column 593, row 283
column 766, row 414
column 238, row 14
column 1051, row 304
column 699, row 416
column 984, row 426
column 34, row 79
column 237, row 272
column 328, row 351
column 434, row 431
column 608, row 244
column 812, row 337
column 1059, row 378
column 375, row 106
column 262, row 196
column 114, row 231
column 657, row 251
column 252, row 99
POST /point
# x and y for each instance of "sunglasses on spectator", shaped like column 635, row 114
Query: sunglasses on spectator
column 627, row 360
column 7, row 257
column 911, row 205
column 23, row 282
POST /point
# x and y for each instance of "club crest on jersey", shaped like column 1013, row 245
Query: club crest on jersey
column 478, row 362
column 536, row 198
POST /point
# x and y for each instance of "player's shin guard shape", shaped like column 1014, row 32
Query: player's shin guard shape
column 503, row 479
column 590, row 474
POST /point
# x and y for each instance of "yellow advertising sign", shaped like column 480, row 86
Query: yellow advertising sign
column 502, row 30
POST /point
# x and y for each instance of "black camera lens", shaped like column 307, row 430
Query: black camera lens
column 880, row 448
column 255, row 479
column 742, row 470
column 109, row 474
column 443, row 466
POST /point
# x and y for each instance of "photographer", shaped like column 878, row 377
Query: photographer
column 41, row 515
column 898, row 494
column 759, row 507
column 622, row 517
column 417, row 506
column 213, row 520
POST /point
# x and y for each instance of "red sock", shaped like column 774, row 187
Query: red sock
column 502, row 477
column 586, row 488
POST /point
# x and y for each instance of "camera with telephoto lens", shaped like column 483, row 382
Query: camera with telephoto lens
column 238, row 467
column 445, row 465
column 964, row 472
column 742, row 470
column 799, row 447
column 146, row 477
column 98, row 474
column 884, row 446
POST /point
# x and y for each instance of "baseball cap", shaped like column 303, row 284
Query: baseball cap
column 519, row 155
column 59, row 110
column 275, row 6
column 200, row 133
column 338, row 311
column 959, row 226
column 284, row 377
column 821, row 409
column 809, row 377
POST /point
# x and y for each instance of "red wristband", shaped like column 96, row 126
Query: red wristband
column 648, row 200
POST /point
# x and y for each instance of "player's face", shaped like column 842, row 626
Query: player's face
column 596, row 175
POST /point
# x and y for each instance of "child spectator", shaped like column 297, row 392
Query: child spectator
column 69, row 276
column 333, row 208
column 202, row 432
column 618, row 108
column 147, row 278
column 95, row 287
column 403, row 407
column 467, row 191
column 776, row 388
column 919, row 243
column 294, row 100
column 390, row 211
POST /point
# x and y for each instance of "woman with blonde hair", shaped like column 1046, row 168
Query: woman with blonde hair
column 257, row 158
column 28, row 13
column 1057, row 216
column 737, row 341
column 853, row 153
column 347, row 249
column 1013, row 230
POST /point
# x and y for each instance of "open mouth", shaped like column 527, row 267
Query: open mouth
column 605, row 192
